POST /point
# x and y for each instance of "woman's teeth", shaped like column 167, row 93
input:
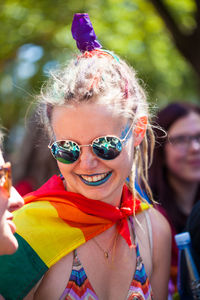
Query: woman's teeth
column 94, row 178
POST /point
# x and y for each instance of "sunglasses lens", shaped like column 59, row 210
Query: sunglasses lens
column 66, row 152
column 107, row 147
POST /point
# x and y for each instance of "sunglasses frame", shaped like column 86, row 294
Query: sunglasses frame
column 91, row 145
column 6, row 186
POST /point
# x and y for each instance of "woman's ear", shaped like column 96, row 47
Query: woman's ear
column 140, row 130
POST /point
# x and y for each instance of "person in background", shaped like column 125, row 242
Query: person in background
column 87, row 234
column 174, row 175
column 32, row 155
column 9, row 201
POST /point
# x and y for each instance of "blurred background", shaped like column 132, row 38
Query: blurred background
column 160, row 38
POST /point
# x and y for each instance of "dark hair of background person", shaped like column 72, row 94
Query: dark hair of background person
column 162, row 191
column 33, row 163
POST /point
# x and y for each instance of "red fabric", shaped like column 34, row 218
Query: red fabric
column 24, row 187
column 54, row 187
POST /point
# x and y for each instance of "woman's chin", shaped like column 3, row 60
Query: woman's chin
column 8, row 245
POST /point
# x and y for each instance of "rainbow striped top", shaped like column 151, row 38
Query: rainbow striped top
column 79, row 287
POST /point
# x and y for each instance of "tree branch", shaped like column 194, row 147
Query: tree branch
column 197, row 4
column 168, row 20
column 197, row 15
column 184, row 42
column 187, row 44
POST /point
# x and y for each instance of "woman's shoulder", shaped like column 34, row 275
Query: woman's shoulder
column 152, row 233
column 157, row 226
column 158, row 221
column 160, row 225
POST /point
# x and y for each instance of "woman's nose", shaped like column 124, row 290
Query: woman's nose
column 88, row 160
column 15, row 200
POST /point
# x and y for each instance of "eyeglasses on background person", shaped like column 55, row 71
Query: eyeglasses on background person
column 183, row 142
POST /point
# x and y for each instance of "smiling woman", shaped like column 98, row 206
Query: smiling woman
column 87, row 234
column 100, row 172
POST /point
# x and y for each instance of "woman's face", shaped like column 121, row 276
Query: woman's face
column 83, row 123
column 183, row 156
column 8, row 243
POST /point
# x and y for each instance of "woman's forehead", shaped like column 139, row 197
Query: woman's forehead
column 186, row 125
column 86, row 114
column 85, row 121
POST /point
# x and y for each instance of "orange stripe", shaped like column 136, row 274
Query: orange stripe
column 90, row 225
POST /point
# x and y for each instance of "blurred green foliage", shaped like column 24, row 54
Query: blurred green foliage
column 36, row 35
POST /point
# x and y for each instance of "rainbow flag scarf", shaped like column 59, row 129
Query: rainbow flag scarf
column 52, row 223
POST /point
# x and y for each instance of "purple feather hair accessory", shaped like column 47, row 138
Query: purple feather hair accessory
column 83, row 33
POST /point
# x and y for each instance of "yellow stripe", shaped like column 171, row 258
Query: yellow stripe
column 145, row 206
column 50, row 236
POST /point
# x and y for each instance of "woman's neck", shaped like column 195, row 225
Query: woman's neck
column 185, row 193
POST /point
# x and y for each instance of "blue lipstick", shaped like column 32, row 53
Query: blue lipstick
column 96, row 183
